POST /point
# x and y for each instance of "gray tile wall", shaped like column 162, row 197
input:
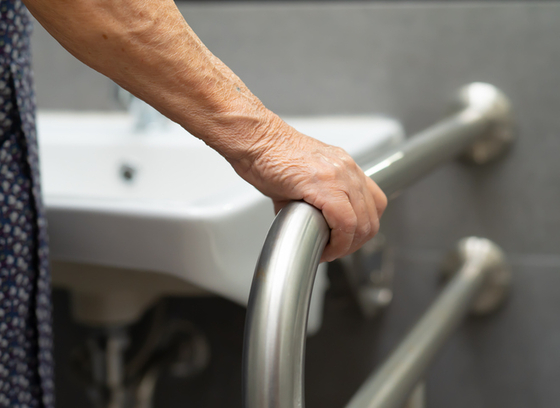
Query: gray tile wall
column 407, row 60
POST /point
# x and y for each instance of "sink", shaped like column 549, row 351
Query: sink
column 136, row 215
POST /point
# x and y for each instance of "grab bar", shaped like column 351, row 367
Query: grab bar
column 481, row 280
column 275, row 330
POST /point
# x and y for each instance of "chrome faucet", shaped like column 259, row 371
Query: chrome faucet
column 146, row 118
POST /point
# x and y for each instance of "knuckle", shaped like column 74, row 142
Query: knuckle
column 350, row 224
column 339, row 151
column 329, row 172
column 335, row 172
column 365, row 231
column 349, row 163
column 342, row 155
column 347, row 159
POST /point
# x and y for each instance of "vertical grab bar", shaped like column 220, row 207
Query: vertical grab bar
column 275, row 330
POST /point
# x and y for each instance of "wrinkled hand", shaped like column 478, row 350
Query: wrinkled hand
column 288, row 165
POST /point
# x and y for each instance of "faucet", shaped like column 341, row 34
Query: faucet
column 146, row 118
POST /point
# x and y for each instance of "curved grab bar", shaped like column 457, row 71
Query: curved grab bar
column 275, row 330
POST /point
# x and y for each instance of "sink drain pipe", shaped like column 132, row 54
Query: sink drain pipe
column 275, row 330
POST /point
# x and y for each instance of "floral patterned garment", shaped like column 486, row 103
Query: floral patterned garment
column 26, row 363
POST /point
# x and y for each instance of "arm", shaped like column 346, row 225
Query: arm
column 147, row 47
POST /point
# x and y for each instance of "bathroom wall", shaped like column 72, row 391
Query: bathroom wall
column 405, row 60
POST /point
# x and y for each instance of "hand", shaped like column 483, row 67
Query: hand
column 148, row 49
column 287, row 165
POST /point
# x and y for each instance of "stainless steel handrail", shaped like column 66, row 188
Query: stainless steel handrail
column 281, row 290
column 481, row 278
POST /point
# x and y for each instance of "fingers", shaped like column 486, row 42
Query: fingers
column 378, row 196
column 343, row 221
column 353, row 217
column 368, row 217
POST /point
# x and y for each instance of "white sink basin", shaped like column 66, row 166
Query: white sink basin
column 164, row 203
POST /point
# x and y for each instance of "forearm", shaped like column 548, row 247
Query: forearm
column 148, row 48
